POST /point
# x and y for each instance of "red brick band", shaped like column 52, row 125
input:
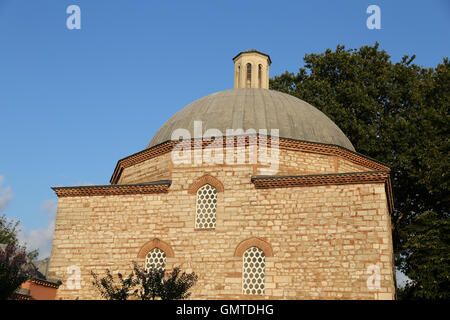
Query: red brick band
column 254, row 242
column 285, row 144
column 206, row 179
column 266, row 182
column 269, row 182
column 155, row 243
column 45, row 283
column 19, row 296
column 108, row 190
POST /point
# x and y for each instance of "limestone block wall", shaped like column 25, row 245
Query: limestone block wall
column 323, row 238
column 347, row 166
column 290, row 163
column 158, row 168
column 298, row 162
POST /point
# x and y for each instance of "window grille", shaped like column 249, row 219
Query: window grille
column 155, row 259
column 206, row 207
column 253, row 270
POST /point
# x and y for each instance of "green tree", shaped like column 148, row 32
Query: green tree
column 157, row 283
column 146, row 285
column 397, row 113
column 112, row 289
column 149, row 283
column 8, row 235
column 177, row 284
column 15, row 263
column 426, row 258
column 15, row 269
column 8, row 231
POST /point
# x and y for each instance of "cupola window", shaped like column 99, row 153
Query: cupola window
column 249, row 75
column 259, row 76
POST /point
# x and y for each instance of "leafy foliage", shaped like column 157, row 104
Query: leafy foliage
column 8, row 235
column 15, row 263
column 146, row 285
column 426, row 258
column 397, row 113
column 149, row 283
column 111, row 289
column 8, row 231
column 177, row 284
column 14, row 270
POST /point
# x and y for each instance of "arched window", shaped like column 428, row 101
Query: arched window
column 253, row 271
column 249, row 75
column 260, row 76
column 238, row 76
column 206, row 207
column 155, row 259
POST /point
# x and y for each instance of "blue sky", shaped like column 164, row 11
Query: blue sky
column 73, row 102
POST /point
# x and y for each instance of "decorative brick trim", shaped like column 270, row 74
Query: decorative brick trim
column 267, row 182
column 141, row 156
column 254, row 242
column 206, row 179
column 46, row 283
column 20, row 296
column 161, row 186
column 285, row 144
column 155, row 243
column 328, row 149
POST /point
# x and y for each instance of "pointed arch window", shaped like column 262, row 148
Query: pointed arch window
column 206, row 207
column 253, row 271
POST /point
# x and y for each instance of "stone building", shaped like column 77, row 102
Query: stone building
column 283, row 209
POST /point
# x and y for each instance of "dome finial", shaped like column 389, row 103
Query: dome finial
column 251, row 69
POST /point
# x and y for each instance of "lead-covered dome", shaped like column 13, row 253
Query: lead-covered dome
column 257, row 109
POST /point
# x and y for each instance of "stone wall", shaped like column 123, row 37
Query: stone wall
column 158, row 168
column 290, row 163
column 323, row 238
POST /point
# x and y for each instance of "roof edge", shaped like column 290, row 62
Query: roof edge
column 289, row 181
column 302, row 145
column 253, row 51
column 272, row 177
column 158, row 186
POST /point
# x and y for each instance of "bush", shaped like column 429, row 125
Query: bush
column 146, row 285
column 110, row 289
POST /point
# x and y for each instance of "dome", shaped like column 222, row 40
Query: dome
column 256, row 108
